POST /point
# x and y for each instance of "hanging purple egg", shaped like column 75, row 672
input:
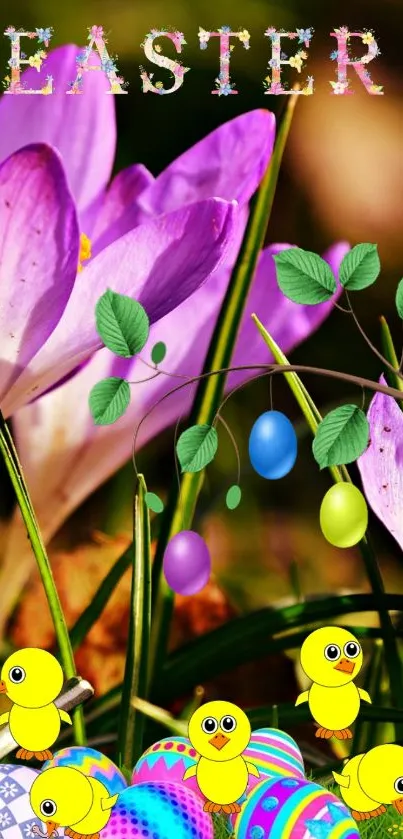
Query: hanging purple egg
column 187, row 563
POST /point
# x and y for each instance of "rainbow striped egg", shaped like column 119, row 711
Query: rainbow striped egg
column 294, row 808
column 274, row 753
column 91, row 763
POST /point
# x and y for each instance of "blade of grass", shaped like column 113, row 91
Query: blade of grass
column 210, row 389
column 131, row 721
column 15, row 472
column 390, row 354
column 101, row 597
column 373, row 573
column 161, row 716
column 250, row 637
column 289, row 715
column 247, row 638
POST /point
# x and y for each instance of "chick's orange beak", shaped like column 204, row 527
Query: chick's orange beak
column 219, row 741
column 50, row 827
column 398, row 805
column 3, row 687
column 345, row 666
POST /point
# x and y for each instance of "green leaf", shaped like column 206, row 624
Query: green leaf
column 154, row 502
column 341, row 437
column 108, row 400
column 399, row 299
column 304, row 277
column 122, row 323
column 135, row 682
column 158, row 352
column 360, row 267
column 234, row 496
column 197, row 447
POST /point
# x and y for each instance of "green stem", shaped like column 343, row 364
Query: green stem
column 62, row 636
column 373, row 573
column 131, row 720
column 210, row 389
column 390, row 353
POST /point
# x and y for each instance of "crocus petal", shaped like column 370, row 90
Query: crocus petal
column 381, row 465
column 82, row 127
column 38, row 254
column 228, row 163
column 159, row 263
column 120, row 211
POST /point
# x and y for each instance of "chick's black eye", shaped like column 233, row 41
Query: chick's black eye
column 352, row 649
column 209, row 725
column 48, row 808
column 16, row 675
column 228, row 724
column 332, row 652
column 399, row 785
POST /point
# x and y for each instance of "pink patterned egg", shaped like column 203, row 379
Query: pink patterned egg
column 167, row 761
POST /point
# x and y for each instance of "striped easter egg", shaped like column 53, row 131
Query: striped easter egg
column 294, row 808
column 274, row 753
column 92, row 763
column 167, row 761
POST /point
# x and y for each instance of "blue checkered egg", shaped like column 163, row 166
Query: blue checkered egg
column 16, row 817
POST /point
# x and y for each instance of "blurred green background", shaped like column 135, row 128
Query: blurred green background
column 342, row 179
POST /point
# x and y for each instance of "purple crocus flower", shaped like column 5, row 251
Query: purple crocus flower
column 47, row 309
column 381, row 465
column 65, row 457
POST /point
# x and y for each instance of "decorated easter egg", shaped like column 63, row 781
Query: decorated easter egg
column 343, row 515
column 274, row 753
column 91, row 763
column 17, row 819
column 294, row 808
column 272, row 445
column 158, row 811
column 167, row 761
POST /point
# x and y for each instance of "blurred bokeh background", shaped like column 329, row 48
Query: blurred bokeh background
column 342, row 179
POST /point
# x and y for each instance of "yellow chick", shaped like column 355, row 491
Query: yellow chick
column 62, row 796
column 369, row 781
column 220, row 732
column 33, row 679
column 332, row 657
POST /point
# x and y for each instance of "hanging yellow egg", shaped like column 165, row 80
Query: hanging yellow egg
column 344, row 515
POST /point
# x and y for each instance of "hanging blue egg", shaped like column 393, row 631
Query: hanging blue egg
column 273, row 445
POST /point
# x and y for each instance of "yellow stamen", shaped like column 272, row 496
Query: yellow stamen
column 85, row 251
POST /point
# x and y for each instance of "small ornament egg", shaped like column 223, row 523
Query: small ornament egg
column 272, row 445
column 187, row 563
column 293, row 808
column 17, row 819
column 167, row 761
column 158, row 811
column 91, row 763
column 343, row 515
